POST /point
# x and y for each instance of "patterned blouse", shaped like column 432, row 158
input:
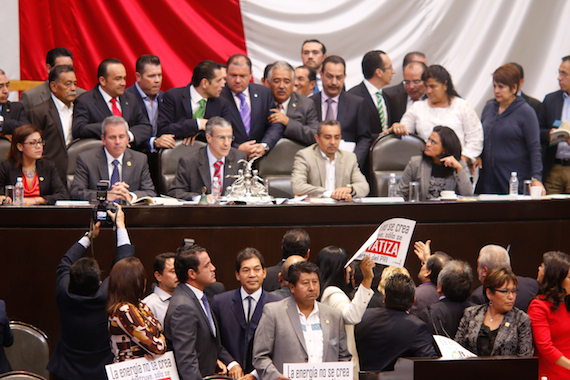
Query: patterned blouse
column 135, row 332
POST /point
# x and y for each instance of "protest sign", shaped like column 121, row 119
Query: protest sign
column 319, row 371
column 450, row 349
column 163, row 367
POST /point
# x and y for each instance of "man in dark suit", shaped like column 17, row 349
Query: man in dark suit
column 534, row 103
column 377, row 70
column 216, row 160
column 414, row 56
column 386, row 334
column 305, row 80
column 12, row 114
column 250, row 108
column 39, row 94
column 492, row 257
column 238, row 312
column 190, row 327
column 349, row 110
column 108, row 98
column 126, row 169
column 313, row 54
column 83, row 348
column 414, row 90
column 284, row 291
column 54, row 117
column 294, row 242
column 556, row 106
column 295, row 111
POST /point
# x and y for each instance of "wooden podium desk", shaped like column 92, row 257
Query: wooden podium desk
column 35, row 238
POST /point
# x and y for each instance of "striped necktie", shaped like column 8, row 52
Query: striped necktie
column 199, row 114
column 381, row 110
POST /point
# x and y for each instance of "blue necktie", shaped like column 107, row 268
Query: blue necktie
column 115, row 175
column 208, row 313
column 244, row 112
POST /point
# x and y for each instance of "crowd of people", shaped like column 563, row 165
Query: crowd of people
column 240, row 119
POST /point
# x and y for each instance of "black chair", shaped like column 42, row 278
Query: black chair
column 30, row 351
column 74, row 149
column 391, row 154
column 168, row 163
column 277, row 167
column 4, row 149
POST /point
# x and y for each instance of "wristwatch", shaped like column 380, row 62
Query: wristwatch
column 351, row 188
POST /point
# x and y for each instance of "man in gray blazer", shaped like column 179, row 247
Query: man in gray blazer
column 322, row 170
column 295, row 111
column 198, row 169
column 126, row 169
column 290, row 331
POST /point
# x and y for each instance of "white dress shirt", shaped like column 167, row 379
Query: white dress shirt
column 211, row 161
column 107, row 98
column 199, row 294
column 313, row 334
column 195, row 98
column 330, row 180
column 158, row 302
column 324, row 105
column 65, row 117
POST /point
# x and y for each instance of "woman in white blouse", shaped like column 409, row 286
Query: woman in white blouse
column 335, row 287
column 443, row 106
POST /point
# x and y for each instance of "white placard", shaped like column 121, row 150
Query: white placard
column 319, row 371
column 450, row 349
column 163, row 367
column 389, row 244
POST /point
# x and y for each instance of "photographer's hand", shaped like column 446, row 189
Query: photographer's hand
column 95, row 229
column 118, row 217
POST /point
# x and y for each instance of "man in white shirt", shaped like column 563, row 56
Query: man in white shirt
column 299, row 329
column 166, row 282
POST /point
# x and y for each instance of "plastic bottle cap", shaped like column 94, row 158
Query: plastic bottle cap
column 513, row 173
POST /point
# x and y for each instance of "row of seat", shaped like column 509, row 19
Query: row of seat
column 388, row 154
column 29, row 354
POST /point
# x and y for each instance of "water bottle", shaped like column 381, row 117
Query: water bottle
column 216, row 190
column 19, row 192
column 392, row 186
column 514, row 184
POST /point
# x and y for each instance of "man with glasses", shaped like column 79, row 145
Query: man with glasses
column 414, row 90
column 218, row 159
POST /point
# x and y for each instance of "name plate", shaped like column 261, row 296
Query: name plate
column 163, row 367
column 319, row 371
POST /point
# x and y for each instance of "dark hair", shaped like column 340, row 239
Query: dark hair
column 435, row 264
column 20, row 135
column 54, row 54
column 456, row 279
column 266, row 71
column 312, row 72
column 56, row 72
column 323, row 48
column 239, row 57
column 372, row 61
column 103, row 66
column 186, row 259
column 336, row 60
column 566, row 58
column 327, row 122
column 451, row 147
column 496, row 278
column 408, row 58
column 126, row 283
column 331, row 261
column 160, row 262
column 508, row 75
column 441, row 75
column 555, row 271
column 204, row 70
column 84, row 277
column 246, row 254
column 295, row 242
column 147, row 59
column 399, row 292
column 519, row 67
column 296, row 269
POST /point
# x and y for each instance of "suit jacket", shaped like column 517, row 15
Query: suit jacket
column 175, row 116
column 534, row 103
column 282, row 292
column 189, row 334
column 384, row 335
column 90, row 110
column 354, row 121
column 426, row 294
column 528, row 289
column 83, row 348
column 193, row 173
column 303, row 121
column 45, row 116
column 550, row 111
column 39, row 94
column 6, row 338
column 14, row 115
column 443, row 317
column 261, row 130
column 92, row 167
column 513, row 338
column 309, row 173
column 279, row 338
column 51, row 187
column 235, row 333
column 271, row 281
column 159, row 97
column 397, row 99
column 370, row 107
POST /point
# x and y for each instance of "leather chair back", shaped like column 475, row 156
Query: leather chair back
column 168, row 163
column 30, row 351
column 277, row 167
column 4, row 149
column 74, row 149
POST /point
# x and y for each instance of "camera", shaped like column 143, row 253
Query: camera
column 100, row 210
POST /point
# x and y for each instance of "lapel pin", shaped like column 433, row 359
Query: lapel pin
column 507, row 324
column 327, row 321
column 41, row 178
column 229, row 166
column 255, row 95
column 294, row 105
column 129, row 163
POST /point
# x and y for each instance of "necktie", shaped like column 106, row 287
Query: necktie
column 115, row 175
column 381, row 111
column 114, row 107
column 280, row 107
column 249, row 299
column 199, row 114
column 330, row 113
column 208, row 313
column 244, row 112
column 218, row 170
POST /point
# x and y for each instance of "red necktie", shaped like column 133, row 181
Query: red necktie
column 217, row 173
column 114, row 107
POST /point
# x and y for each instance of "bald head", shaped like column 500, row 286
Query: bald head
column 492, row 257
column 283, row 279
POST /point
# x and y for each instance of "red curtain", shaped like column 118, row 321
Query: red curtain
column 181, row 32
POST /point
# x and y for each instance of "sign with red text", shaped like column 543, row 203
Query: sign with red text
column 163, row 367
column 319, row 371
column 389, row 244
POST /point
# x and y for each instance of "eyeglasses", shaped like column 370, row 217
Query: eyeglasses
column 386, row 68
column 35, row 144
column 224, row 138
column 506, row 292
column 415, row 82
column 431, row 142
